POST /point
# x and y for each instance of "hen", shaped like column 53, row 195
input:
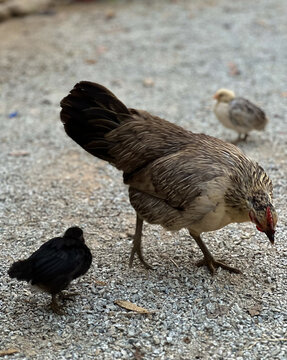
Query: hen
column 176, row 178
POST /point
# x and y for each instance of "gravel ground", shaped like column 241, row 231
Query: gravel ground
column 167, row 57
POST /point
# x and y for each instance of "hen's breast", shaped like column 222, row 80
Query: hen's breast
column 206, row 212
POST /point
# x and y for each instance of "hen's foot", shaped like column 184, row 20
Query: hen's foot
column 213, row 264
column 137, row 250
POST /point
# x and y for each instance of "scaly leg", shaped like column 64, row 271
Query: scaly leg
column 55, row 306
column 137, row 244
column 68, row 296
column 244, row 137
column 209, row 260
column 239, row 139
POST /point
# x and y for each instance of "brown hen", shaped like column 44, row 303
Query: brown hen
column 176, row 178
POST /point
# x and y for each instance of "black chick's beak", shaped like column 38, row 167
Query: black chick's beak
column 270, row 234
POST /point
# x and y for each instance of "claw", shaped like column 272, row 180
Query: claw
column 213, row 264
column 136, row 250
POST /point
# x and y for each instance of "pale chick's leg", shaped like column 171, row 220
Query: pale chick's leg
column 244, row 137
column 209, row 260
column 55, row 306
column 239, row 139
column 137, row 249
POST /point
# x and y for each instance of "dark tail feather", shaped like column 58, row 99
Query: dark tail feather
column 21, row 270
column 90, row 112
column 96, row 93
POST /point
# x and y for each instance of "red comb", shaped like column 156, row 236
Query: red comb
column 269, row 218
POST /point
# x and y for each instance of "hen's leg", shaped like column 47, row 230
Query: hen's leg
column 209, row 260
column 137, row 249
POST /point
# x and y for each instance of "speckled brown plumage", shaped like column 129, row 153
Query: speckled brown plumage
column 176, row 178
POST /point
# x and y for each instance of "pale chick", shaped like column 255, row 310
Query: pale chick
column 238, row 114
column 176, row 178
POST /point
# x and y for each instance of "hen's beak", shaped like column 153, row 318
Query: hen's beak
column 270, row 234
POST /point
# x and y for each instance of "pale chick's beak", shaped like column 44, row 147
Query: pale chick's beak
column 215, row 96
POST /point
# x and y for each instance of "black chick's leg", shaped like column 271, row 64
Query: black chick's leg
column 209, row 260
column 68, row 296
column 55, row 306
column 137, row 244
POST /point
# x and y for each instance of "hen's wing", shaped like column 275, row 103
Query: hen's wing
column 143, row 138
column 173, row 190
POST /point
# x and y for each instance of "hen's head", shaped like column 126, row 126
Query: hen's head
column 264, row 216
column 224, row 95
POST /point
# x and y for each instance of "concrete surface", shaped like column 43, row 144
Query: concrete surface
column 168, row 57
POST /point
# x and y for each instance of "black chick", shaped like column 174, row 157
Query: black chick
column 55, row 264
